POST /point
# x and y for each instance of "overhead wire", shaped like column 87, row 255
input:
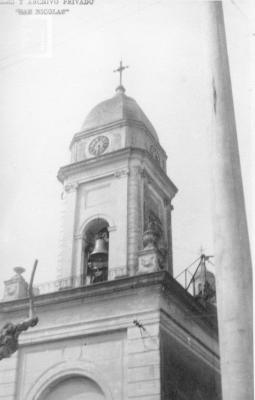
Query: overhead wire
column 239, row 9
column 187, row 267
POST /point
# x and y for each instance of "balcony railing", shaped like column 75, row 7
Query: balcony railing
column 60, row 284
column 75, row 281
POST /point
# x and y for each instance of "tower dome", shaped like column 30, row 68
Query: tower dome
column 115, row 124
column 119, row 108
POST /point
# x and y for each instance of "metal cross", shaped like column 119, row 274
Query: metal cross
column 120, row 69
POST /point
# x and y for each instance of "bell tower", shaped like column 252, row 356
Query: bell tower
column 116, row 325
column 117, row 195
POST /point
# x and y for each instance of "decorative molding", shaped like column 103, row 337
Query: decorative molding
column 148, row 261
column 113, row 290
column 62, row 370
column 106, row 217
column 16, row 287
column 78, row 236
column 112, row 228
column 77, row 167
column 98, row 177
column 137, row 171
column 148, row 178
column 87, row 327
column 121, row 173
column 154, row 153
column 71, row 187
column 113, row 125
column 158, row 185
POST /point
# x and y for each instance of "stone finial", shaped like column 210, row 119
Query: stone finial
column 150, row 259
column 16, row 287
column 120, row 89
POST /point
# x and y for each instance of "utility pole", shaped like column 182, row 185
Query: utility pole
column 232, row 252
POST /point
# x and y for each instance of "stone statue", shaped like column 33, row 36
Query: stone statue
column 152, row 257
column 9, row 334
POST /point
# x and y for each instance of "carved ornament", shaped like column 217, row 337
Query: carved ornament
column 121, row 173
column 148, row 261
column 137, row 171
column 71, row 187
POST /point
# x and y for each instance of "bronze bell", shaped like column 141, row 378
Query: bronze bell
column 100, row 252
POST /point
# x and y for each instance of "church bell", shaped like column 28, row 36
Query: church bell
column 100, row 252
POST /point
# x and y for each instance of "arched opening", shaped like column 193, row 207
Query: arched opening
column 96, row 251
column 73, row 388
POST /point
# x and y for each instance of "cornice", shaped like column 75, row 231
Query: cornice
column 88, row 327
column 154, row 178
column 127, row 152
column 90, row 163
column 161, row 280
column 83, row 292
column 153, row 171
column 205, row 316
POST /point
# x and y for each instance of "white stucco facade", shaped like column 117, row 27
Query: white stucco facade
column 136, row 334
column 87, row 344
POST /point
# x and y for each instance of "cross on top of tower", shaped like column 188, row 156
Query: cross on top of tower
column 121, row 68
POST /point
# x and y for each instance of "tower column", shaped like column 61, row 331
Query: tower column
column 168, row 210
column 232, row 253
column 134, row 226
column 78, row 259
column 115, row 269
column 68, row 230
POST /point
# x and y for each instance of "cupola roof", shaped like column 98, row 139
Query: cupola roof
column 119, row 108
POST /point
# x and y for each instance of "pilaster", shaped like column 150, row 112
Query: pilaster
column 168, row 211
column 77, row 258
column 8, row 373
column 67, row 242
column 143, row 362
column 134, row 226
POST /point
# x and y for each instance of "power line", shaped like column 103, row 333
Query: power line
column 240, row 10
column 187, row 267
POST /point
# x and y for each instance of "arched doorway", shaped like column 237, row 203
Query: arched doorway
column 95, row 236
column 73, row 388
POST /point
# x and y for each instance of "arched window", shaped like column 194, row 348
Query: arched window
column 73, row 388
column 96, row 248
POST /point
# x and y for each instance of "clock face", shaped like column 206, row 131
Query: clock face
column 154, row 152
column 98, row 145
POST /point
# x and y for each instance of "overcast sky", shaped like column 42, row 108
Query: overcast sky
column 53, row 70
